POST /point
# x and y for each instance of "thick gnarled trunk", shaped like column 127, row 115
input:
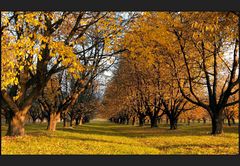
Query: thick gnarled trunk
column 16, row 124
column 54, row 117
column 217, row 124
column 173, row 124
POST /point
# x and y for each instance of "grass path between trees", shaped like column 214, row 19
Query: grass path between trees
column 102, row 137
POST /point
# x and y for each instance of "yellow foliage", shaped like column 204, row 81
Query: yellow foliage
column 27, row 48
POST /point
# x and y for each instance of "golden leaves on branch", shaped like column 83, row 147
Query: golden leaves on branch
column 23, row 43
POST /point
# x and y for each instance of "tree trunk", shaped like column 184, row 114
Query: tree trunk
column 204, row 120
column 48, row 121
column 189, row 121
column 173, row 123
column 41, row 120
column 154, row 122
column 81, row 121
column 128, row 121
column 233, row 120
column 34, row 120
column 64, row 120
column 123, row 120
column 229, row 122
column 54, row 117
column 16, row 124
column 6, row 120
column 133, row 121
column 217, row 124
column 77, row 121
column 141, row 121
column 71, row 121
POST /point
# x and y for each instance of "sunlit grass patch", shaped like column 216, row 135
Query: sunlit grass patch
column 108, row 138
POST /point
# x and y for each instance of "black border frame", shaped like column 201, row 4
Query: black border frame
column 121, row 5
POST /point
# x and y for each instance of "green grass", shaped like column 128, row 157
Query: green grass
column 108, row 138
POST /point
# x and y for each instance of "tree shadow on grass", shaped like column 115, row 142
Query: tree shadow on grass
column 184, row 148
column 75, row 138
column 188, row 148
column 91, row 131
column 131, row 132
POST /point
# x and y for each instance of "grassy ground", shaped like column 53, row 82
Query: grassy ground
column 107, row 138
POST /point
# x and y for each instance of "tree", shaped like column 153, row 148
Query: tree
column 231, row 112
column 174, row 106
column 198, row 45
column 50, row 100
column 36, row 45
column 97, row 54
column 35, row 112
column 117, row 101
column 208, row 41
column 86, row 105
